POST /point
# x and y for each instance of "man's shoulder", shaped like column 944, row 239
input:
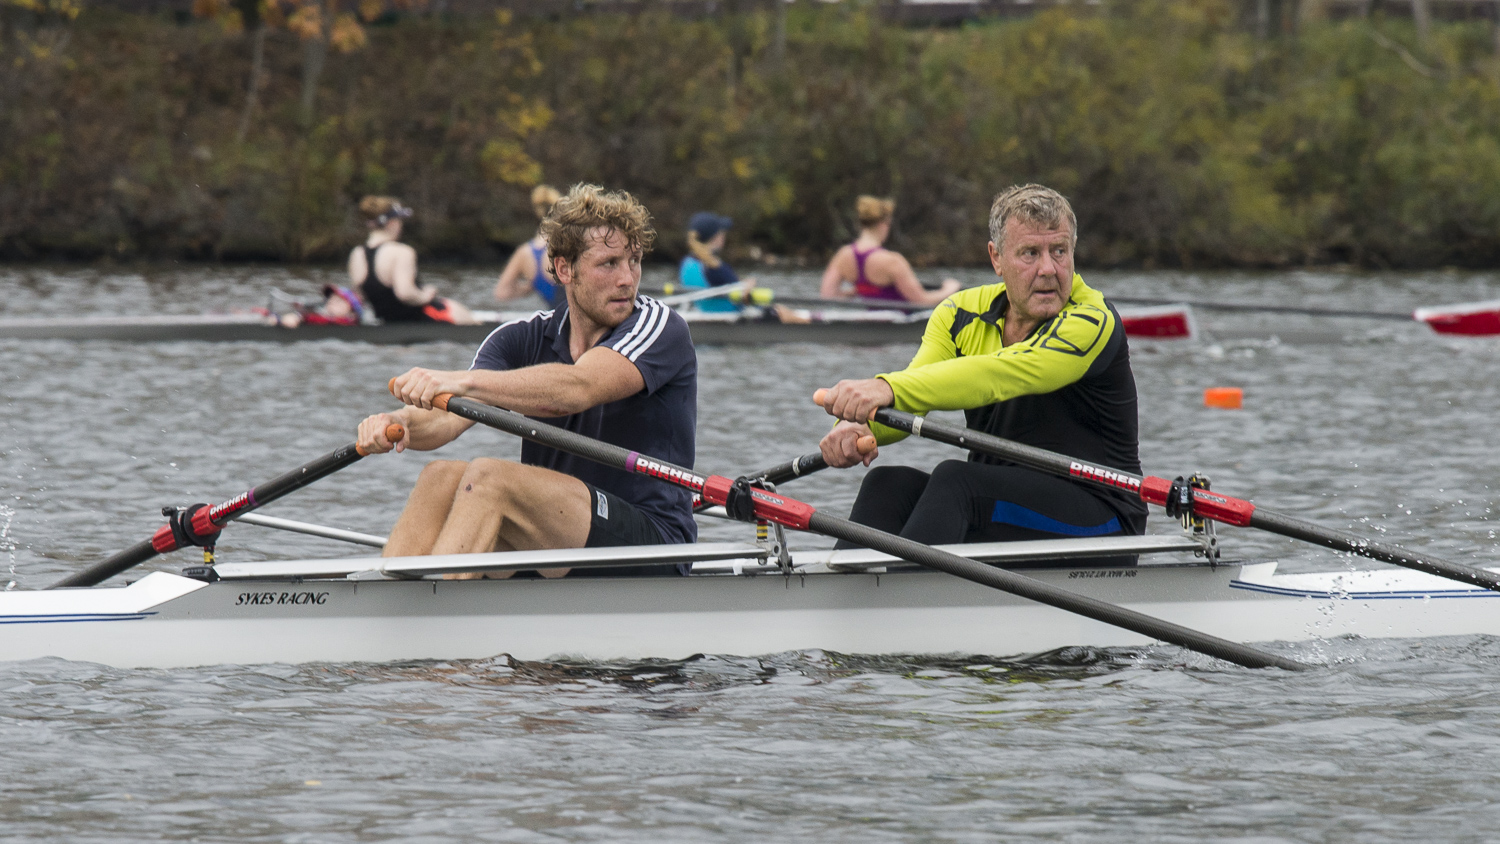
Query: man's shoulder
column 535, row 322
column 1083, row 293
column 975, row 299
column 510, row 338
column 1087, row 300
column 1085, row 328
column 653, row 327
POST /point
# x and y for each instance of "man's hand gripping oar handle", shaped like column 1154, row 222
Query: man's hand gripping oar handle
column 865, row 444
column 200, row 524
column 807, row 463
column 394, row 433
column 801, row 516
column 1173, row 495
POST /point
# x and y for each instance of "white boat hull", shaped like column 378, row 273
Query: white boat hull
column 169, row 621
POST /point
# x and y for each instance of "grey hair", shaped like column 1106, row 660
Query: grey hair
column 1035, row 204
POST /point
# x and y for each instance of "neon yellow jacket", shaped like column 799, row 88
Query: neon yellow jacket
column 1067, row 388
column 961, row 364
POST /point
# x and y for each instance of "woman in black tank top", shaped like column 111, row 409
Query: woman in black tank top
column 385, row 270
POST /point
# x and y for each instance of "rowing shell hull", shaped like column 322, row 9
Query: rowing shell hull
column 168, row 621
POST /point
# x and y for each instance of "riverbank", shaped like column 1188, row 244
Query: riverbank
column 1182, row 139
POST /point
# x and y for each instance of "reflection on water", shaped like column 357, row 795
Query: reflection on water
column 711, row 672
column 1386, row 429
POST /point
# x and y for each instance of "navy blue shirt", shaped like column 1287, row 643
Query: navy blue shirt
column 660, row 421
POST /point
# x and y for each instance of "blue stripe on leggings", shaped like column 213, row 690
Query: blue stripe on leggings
column 1007, row 513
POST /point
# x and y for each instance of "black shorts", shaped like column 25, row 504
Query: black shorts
column 980, row 502
column 615, row 522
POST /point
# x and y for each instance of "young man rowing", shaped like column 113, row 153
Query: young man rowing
column 609, row 364
column 1040, row 358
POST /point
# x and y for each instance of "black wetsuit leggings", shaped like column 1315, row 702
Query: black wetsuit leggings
column 979, row 502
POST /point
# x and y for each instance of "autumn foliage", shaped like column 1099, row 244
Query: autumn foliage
column 1180, row 137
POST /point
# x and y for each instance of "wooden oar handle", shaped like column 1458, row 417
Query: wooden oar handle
column 865, row 444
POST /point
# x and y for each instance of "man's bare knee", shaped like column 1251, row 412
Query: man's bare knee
column 494, row 480
column 442, row 472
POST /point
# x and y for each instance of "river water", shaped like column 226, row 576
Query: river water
column 1382, row 428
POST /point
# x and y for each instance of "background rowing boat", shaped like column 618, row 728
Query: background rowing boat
column 212, row 304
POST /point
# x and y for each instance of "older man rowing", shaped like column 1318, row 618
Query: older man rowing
column 610, row 364
column 1040, row 358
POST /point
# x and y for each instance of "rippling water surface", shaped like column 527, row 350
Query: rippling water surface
column 1384, row 428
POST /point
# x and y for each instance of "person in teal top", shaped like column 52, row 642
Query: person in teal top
column 703, row 268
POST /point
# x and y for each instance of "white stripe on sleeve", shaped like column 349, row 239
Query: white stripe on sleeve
column 661, row 326
column 651, row 314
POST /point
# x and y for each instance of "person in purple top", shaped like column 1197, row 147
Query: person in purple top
column 608, row 363
column 866, row 270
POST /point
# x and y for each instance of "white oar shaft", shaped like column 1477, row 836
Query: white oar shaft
column 708, row 293
column 671, row 301
column 313, row 530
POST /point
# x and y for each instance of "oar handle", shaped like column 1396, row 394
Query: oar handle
column 394, row 432
column 865, row 444
column 798, row 515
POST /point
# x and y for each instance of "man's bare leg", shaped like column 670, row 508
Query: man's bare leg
column 416, row 531
column 503, row 505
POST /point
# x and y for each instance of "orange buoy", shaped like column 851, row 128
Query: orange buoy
column 1225, row 398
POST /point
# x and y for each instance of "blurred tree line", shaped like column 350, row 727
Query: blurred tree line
column 251, row 130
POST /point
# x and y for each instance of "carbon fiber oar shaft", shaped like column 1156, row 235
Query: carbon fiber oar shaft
column 1207, row 504
column 204, row 522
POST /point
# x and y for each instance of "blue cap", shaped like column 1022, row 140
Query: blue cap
column 706, row 224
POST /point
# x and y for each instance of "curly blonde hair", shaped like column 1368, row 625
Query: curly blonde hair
column 872, row 210
column 586, row 207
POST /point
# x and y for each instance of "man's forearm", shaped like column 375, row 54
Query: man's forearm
column 548, row 389
column 430, row 429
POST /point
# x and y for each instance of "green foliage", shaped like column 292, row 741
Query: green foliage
column 1180, row 138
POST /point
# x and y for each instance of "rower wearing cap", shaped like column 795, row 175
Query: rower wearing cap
column 865, row 269
column 1040, row 358
column 526, row 271
column 384, row 270
column 609, row 363
column 703, row 267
